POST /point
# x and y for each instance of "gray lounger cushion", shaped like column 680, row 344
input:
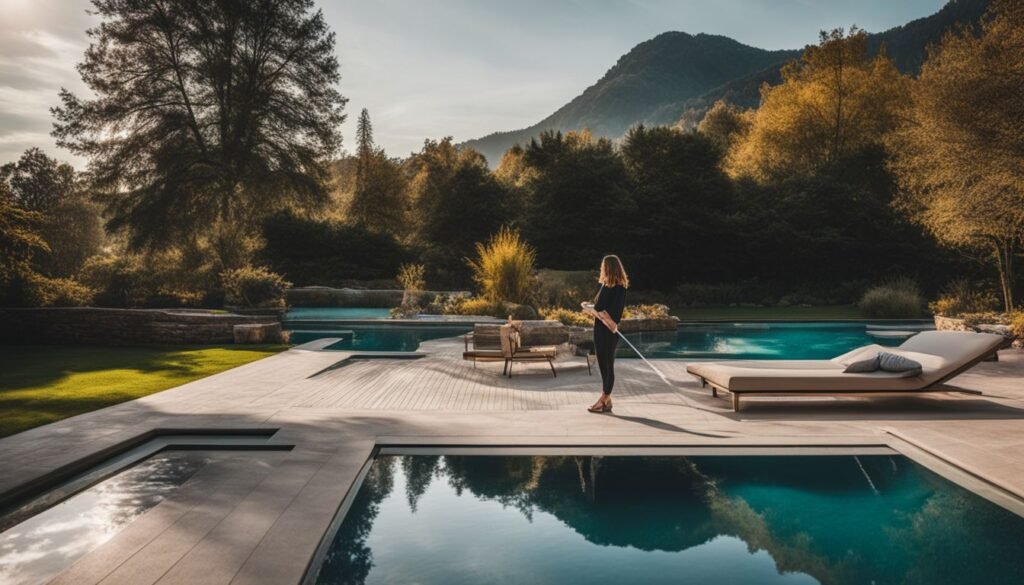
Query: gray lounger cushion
column 892, row 362
column 886, row 362
column 863, row 366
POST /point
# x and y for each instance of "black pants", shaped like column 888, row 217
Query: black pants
column 605, row 344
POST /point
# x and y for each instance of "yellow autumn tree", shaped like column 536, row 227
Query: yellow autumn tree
column 959, row 156
column 834, row 101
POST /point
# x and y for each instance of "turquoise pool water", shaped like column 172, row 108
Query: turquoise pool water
column 763, row 520
column 774, row 340
column 332, row 313
column 384, row 337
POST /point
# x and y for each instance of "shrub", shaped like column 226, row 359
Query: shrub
column 567, row 317
column 960, row 297
column 404, row 312
column 446, row 304
column 565, row 288
column 157, row 281
column 1017, row 324
column 646, row 312
column 410, row 277
column 485, row 307
column 175, row 299
column 987, row 318
column 896, row 299
column 254, row 287
column 35, row 290
column 504, row 267
column 117, row 280
column 521, row 312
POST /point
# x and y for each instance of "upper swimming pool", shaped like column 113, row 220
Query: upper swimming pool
column 335, row 313
column 383, row 337
column 758, row 520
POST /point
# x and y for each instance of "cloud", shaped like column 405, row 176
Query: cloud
column 40, row 43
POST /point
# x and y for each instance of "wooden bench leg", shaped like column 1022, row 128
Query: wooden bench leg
column 704, row 383
column 504, row 370
column 590, row 372
column 714, row 392
column 735, row 402
column 552, row 364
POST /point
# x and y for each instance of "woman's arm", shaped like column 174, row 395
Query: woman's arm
column 608, row 321
column 602, row 315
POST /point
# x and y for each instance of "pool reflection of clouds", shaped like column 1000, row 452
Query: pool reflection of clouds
column 41, row 546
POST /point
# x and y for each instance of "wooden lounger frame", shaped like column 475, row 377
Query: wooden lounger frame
column 934, row 387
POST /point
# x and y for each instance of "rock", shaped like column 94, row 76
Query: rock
column 257, row 333
column 322, row 296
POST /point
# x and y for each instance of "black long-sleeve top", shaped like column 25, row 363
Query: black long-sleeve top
column 613, row 300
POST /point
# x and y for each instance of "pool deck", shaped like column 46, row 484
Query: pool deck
column 336, row 409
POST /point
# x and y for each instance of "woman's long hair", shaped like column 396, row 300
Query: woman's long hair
column 612, row 272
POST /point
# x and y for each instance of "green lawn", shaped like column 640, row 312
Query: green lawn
column 777, row 313
column 42, row 384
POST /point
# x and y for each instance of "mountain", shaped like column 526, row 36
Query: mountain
column 659, row 80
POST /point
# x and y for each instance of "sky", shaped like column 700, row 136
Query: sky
column 436, row 68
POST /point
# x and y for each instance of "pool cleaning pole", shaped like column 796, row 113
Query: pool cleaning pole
column 656, row 370
column 590, row 307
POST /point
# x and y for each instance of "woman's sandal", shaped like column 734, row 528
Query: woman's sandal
column 600, row 408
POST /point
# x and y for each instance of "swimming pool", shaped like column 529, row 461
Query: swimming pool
column 768, row 340
column 761, row 520
column 383, row 337
column 335, row 313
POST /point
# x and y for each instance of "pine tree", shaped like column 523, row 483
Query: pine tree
column 378, row 202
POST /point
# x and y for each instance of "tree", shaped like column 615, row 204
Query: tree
column 68, row 222
column 204, row 113
column 958, row 156
column 378, row 201
column 37, row 181
column 684, row 199
column 458, row 202
column 19, row 237
column 724, row 124
column 577, row 199
column 832, row 102
column 329, row 253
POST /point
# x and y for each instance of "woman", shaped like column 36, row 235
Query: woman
column 607, row 311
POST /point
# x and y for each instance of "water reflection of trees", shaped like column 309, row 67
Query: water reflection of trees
column 675, row 503
column 348, row 561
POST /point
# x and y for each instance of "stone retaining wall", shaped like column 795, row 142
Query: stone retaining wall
column 323, row 296
column 94, row 326
column 953, row 324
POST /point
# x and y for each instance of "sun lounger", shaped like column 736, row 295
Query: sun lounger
column 942, row 355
